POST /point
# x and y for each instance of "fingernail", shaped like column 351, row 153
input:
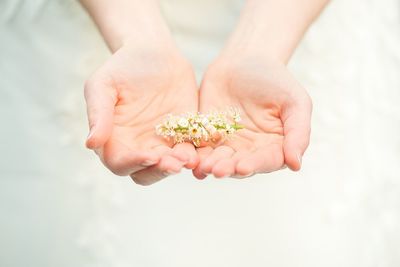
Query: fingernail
column 169, row 172
column 89, row 143
column 201, row 177
column 299, row 159
column 149, row 163
column 243, row 176
column 89, row 135
column 91, row 131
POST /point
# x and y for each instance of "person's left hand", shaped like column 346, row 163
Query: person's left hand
column 276, row 114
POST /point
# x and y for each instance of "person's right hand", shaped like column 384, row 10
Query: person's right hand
column 126, row 98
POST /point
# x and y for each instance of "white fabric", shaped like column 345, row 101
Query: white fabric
column 60, row 207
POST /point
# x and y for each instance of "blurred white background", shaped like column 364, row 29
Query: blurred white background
column 60, row 207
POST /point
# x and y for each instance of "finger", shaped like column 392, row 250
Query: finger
column 226, row 167
column 123, row 161
column 218, row 153
column 215, row 140
column 161, row 150
column 156, row 172
column 223, row 168
column 158, row 152
column 263, row 160
column 100, row 101
column 191, row 158
column 235, row 159
column 297, row 128
column 180, row 151
column 168, row 165
column 203, row 153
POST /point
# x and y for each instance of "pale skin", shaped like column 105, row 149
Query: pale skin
column 134, row 89
column 138, row 85
column 251, row 74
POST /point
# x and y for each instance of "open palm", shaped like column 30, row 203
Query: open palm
column 126, row 98
column 275, row 111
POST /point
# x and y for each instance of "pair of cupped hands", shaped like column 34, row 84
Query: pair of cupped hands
column 138, row 86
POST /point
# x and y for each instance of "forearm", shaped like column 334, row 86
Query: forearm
column 273, row 28
column 129, row 21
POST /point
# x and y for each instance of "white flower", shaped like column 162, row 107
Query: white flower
column 194, row 131
column 205, row 121
column 204, row 134
column 197, row 127
column 235, row 114
column 211, row 129
column 183, row 122
column 236, row 117
column 230, row 129
column 160, row 129
column 190, row 117
column 179, row 138
column 171, row 133
column 171, row 122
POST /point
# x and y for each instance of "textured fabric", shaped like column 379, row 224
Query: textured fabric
column 60, row 207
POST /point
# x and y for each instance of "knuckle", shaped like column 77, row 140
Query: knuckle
column 140, row 181
column 89, row 83
column 115, row 164
column 308, row 101
column 88, row 86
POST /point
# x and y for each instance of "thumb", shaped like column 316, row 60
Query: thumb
column 297, row 128
column 100, row 102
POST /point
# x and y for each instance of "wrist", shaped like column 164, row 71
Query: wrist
column 140, row 34
column 263, row 41
column 161, row 55
column 144, row 41
column 123, row 21
column 132, row 33
column 256, row 50
column 272, row 29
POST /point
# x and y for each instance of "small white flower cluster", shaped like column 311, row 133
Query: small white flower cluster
column 197, row 127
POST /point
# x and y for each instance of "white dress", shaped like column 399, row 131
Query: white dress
column 60, row 207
